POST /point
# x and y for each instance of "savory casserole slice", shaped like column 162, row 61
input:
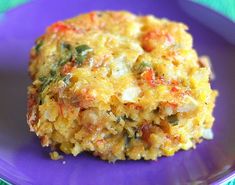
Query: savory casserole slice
column 120, row 86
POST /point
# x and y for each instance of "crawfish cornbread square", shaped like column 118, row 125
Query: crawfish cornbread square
column 120, row 86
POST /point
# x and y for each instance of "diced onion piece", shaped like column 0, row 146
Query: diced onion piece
column 187, row 145
column 130, row 94
column 207, row 133
column 119, row 67
column 189, row 104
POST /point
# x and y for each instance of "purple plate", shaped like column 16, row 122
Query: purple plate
column 23, row 161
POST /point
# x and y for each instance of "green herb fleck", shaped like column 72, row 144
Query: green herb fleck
column 118, row 119
column 66, row 79
column 127, row 118
column 173, row 119
column 42, row 78
column 53, row 72
column 45, row 83
column 38, row 46
column 80, row 59
column 62, row 62
column 81, row 53
column 127, row 139
column 143, row 65
column 66, row 54
column 83, row 49
column 65, row 46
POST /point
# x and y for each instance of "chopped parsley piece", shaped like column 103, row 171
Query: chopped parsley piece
column 83, row 49
column 142, row 66
column 68, row 53
column 81, row 53
column 62, row 62
column 42, row 78
column 53, row 72
column 66, row 79
column 173, row 119
column 127, row 139
column 127, row 119
column 38, row 46
column 65, row 46
column 118, row 119
column 45, row 82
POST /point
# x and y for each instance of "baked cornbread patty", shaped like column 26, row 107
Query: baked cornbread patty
column 120, row 86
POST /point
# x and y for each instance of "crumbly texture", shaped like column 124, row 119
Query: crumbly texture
column 120, row 86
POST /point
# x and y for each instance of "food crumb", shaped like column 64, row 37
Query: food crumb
column 55, row 155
